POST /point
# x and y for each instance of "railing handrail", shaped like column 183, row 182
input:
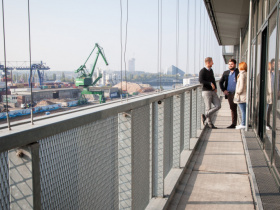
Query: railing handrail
column 25, row 134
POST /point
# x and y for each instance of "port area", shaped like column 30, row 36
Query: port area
column 64, row 100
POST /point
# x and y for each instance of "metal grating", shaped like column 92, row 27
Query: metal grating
column 199, row 109
column 4, row 182
column 182, row 121
column 79, row 168
column 187, row 120
column 268, row 189
column 151, row 149
column 140, row 157
column 176, row 130
column 124, row 156
column 168, row 135
column 194, row 114
column 158, row 144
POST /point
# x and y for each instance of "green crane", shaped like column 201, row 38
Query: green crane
column 85, row 78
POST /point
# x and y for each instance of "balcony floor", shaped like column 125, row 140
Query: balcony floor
column 219, row 178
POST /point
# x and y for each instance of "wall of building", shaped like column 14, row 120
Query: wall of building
column 264, row 101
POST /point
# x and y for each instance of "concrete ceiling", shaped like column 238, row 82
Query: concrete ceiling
column 228, row 17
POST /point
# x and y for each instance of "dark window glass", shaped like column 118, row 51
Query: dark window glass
column 270, row 77
column 257, row 83
column 252, row 75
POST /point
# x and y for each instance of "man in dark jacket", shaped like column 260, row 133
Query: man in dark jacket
column 209, row 92
column 228, row 85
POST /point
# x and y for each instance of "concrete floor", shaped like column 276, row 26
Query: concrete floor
column 219, row 179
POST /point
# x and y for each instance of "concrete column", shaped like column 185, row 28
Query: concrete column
column 24, row 177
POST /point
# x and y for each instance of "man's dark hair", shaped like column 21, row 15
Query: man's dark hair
column 272, row 60
column 232, row 60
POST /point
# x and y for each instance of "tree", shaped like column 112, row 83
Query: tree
column 54, row 77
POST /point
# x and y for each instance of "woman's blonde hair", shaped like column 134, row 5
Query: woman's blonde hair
column 242, row 66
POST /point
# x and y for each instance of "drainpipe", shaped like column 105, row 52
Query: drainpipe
column 249, row 65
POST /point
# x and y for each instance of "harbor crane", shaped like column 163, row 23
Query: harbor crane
column 39, row 67
column 85, row 78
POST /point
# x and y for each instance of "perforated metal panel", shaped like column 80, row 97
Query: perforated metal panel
column 79, row 167
column 194, row 114
column 158, row 143
column 176, row 130
column 140, row 157
column 151, row 149
column 124, row 131
column 4, row 182
column 199, row 108
column 168, row 135
column 187, row 119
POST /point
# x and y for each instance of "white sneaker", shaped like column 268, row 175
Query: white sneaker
column 268, row 128
column 237, row 127
column 240, row 127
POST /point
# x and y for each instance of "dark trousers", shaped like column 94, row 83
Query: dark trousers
column 233, row 108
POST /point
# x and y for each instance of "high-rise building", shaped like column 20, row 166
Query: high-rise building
column 131, row 65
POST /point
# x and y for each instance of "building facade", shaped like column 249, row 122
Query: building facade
column 131, row 65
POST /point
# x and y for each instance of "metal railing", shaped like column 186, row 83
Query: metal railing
column 114, row 156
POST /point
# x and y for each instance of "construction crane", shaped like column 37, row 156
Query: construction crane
column 85, row 78
column 34, row 67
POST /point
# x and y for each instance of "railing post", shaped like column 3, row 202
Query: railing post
column 176, row 130
column 24, row 177
column 158, row 141
column 124, row 139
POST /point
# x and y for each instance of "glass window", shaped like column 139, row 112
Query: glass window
column 277, row 114
column 252, row 76
column 254, row 21
column 257, row 83
column 260, row 19
column 272, row 4
column 270, row 77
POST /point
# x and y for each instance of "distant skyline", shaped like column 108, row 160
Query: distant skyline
column 63, row 34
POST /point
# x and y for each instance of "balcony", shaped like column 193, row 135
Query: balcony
column 147, row 152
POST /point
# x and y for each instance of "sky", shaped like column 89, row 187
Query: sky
column 63, row 33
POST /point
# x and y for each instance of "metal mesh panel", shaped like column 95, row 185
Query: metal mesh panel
column 194, row 114
column 182, row 121
column 140, row 157
column 125, row 197
column 4, row 181
column 202, row 103
column 151, row 147
column 199, row 112
column 79, row 167
column 176, row 130
column 158, row 155
column 187, row 119
column 168, row 141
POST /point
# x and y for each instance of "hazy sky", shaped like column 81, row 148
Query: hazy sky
column 63, row 33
